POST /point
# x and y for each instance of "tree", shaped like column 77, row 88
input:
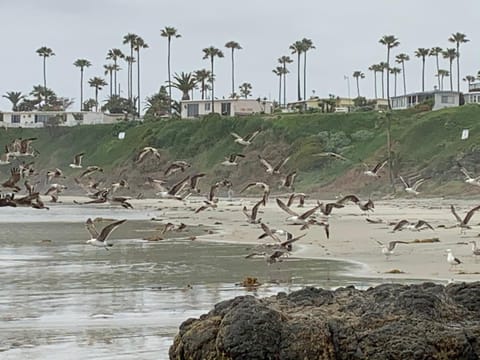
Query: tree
column 358, row 75
column 422, row 53
column 298, row 48
column 118, row 105
column 211, row 53
column 89, row 104
column 245, row 89
column 114, row 55
column 82, row 64
column 441, row 75
column 395, row 71
column 45, row 52
column 202, row 77
column 284, row 60
column 98, row 83
column 382, row 67
column 307, row 45
column 450, row 54
column 279, row 72
column 400, row 59
column 138, row 44
column 169, row 32
column 129, row 60
column 185, row 82
column 458, row 38
column 158, row 104
column 469, row 79
column 436, row 51
column 14, row 97
column 375, row 68
column 130, row 39
column 390, row 42
column 109, row 69
column 233, row 45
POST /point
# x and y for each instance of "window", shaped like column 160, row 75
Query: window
column 447, row 99
column 192, row 110
column 15, row 119
column 207, row 107
column 41, row 118
column 226, row 108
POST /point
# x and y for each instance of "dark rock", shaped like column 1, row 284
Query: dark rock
column 391, row 321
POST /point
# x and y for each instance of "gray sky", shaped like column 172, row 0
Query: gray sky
column 345, row 33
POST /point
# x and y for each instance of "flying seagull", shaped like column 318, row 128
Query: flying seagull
column 232, row 160
column 468, row 179
column 332, row 155
column 100, row 240
column 77, row 161
column 463, row 224
column 387, row 250
column 246, row 140
column 175, row 166
column 374, row 172
column 269, row 168
column 414, row 226
column 412, row 189
column 146, row 151
column 252, row 216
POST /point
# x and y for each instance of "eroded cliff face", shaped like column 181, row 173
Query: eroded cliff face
column 426, row 321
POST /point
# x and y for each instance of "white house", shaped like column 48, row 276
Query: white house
column 473, row 95
column 225, row 107
column 441, row 99
column 37, row 119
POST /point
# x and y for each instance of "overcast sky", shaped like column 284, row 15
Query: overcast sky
column 345, row 33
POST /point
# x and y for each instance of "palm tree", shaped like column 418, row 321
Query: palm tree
column 358, row 75
column 98, row 83
column 458, row 38
column 400, row 59
column 307, row 45
column 422, row 53
column 390, row 42
column 375, row 68
column 450, row 54
column 130, row 39
column 245, row 89
column 279, row 72
column 202, row 77
column 382, row 67
column 298, row 48
column 109, row 69
column 82, row 64
column 169, row 32
column 185, row 82
column 138, row 44
column 435, row 51
column 129, row 60
column 210, row 53
column 115, row 54
column 469, row 79
column 395, row 71
column 284, row 60
column 441, row 74
column 234, row 46
column 45, row 52
column 14, row 97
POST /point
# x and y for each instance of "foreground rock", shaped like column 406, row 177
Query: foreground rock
column 391, row 321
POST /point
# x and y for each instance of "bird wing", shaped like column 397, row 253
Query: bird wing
column 379, row 166
column 421, row 223
column 404, row 182
column 417, row 183
column 252, row 136
column 255, row 209
column 292, row 240
column 470, row 214
column 90, row 226
column 391, row 244
column 171, row 169
column 332, row 154
column 452, row 209
column 77, row 160
column 141, row 155
column 178, row 186
column 400, row 225
column 330, row 206
column 352, row 198
column 248, row 186
column 194, row 179
column 281, row 163
column 270, row 233
column 286, row 208
column 265, row 163
column 236, row 136
column 107, row 230
column 309, row 213
column 290, row 199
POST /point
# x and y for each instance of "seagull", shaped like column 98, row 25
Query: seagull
column 77, row 161
column 475, row 249
column 115, row 186
column 288, row 181
column 298, row 219
column 387, row 250
column 301, row 199
column 452, row 260
column 175, row 166
column 245, row 141
column 332, row 155
column 270, row 169
column 468, row 178
column 231, row 160
column 412, row 189
column 123, row 201
column 145, row 151
column 100, row 240
column 252, row 217
column 194, row 182
column 405, row 224
column 57, row 173
column 173, row 192
column 374, row 172
column 13, row 180
column 463, row 224
column 54, row 190
column 367, row 206
column 265, row 187
column 5, row 157
column 90, row 170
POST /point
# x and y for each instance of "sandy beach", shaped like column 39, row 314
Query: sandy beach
column 352, row 238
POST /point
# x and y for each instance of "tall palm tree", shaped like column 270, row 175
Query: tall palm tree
column 298, row 48
column 233, row 45
column 202, row 77
column 395, row 71
column 45, row 52
column 450, row 54
column 109, row 69
column 358, row 75
column 284, row 60
column 441, row 75
column 390, row 41
column 422, row 53
column 245, row 89
column 469, row 79
column 130, row 39
column 82, row 64
column 436, row 51
column 279, row 72
column 14, row 97
column 375, row 68
column 169, row 32
column 382, row 66
column 185, row 82
column 129, row 60
column 307, row 45
column 114, row 55
column 138, row 44
column 458, row 38
column 211, row 53
column 400, row 59
column 98, row 83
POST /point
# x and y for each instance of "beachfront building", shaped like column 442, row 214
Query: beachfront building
column 191, row 109
column 440, row 98
column 38, row 119
column 473, row 95
column 332, row 104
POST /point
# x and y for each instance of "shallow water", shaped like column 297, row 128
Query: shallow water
column 61, row 298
